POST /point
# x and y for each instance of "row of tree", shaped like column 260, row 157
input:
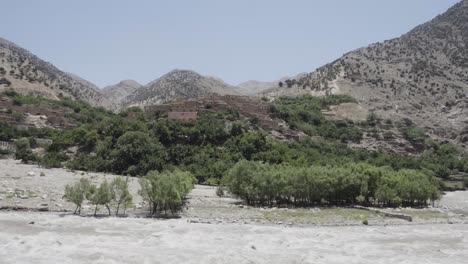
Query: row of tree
column 265, row 184
column 115, row 194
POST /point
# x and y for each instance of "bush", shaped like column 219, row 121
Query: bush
column 23, row 151
column 415, row 135
column 165, row 190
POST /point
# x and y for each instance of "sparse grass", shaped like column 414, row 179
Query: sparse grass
column 424, row 214
column 318, row 215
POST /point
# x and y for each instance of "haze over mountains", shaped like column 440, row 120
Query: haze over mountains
column 421, row 76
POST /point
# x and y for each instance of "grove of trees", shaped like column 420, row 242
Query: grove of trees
column 265, row 184
column 115, row 194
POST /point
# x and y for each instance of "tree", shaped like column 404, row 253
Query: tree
column 120, row 193
column 101, row 196
column 136, row 153
column 23, row 150
column 77, row 193
column 165, row 190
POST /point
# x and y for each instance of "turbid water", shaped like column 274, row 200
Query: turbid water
column 49, row 238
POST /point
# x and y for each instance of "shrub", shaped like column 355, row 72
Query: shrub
column 415, row 135
column 165, row 190
column 23, row 150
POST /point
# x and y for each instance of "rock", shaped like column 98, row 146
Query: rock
column 58, row 205
column 42, row 174
column 31, row 174
column 253, row 247
column 31, row 223
column 279, row 223
column 139, row 206
column 44, row 205
column 23, row 197
column 44, row 196
column 19, row 191
column 1, row 198
column 241, row 206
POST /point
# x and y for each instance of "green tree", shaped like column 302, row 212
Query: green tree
column 77, row 193
column 101, row 196
column 23, row 150
column 120, row 193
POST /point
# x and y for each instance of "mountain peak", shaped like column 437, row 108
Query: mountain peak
column 178, row 84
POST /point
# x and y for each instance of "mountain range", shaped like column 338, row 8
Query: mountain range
column 421, row 76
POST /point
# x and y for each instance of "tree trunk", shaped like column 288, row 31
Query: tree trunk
column 95, row 210
column 108, row 209
column 117, row 211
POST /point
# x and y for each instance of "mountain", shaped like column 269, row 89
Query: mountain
column 421, row 76
column 176, row 85
column 26, row 73
column 117, row 92
column 255, row 87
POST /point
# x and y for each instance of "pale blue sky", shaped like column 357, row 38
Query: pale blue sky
column 109, row 40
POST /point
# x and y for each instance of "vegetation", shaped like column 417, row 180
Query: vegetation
column 305, row 114
column 78, row 193
column 266, row 184
column 165, row 190
column 120, row 194
column 116, row 193
column 210, row 146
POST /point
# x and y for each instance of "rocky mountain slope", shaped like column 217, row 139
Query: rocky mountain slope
column 256, row 87
column 421, row 76
column 178, row 84
column 26, row 73
column 117, row 92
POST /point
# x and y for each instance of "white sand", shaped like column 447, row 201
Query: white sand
column 73, row 239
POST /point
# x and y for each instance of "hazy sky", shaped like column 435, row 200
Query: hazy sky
column 109, row 40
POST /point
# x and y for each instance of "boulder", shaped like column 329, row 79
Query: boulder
column 31, row 174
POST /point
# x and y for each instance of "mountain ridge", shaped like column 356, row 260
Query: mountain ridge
column 27, row 73
column 175, row 85
column 421, row 76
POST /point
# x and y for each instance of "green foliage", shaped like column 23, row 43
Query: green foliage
column 211, row 145
column 120, row 193
column 23, row 151
column 165, row 190
column 415, row 135
column 52, row 160
column 78, row 192
column 136, row 153
column 101, row 196
column 305, row 113
column 265, row 184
